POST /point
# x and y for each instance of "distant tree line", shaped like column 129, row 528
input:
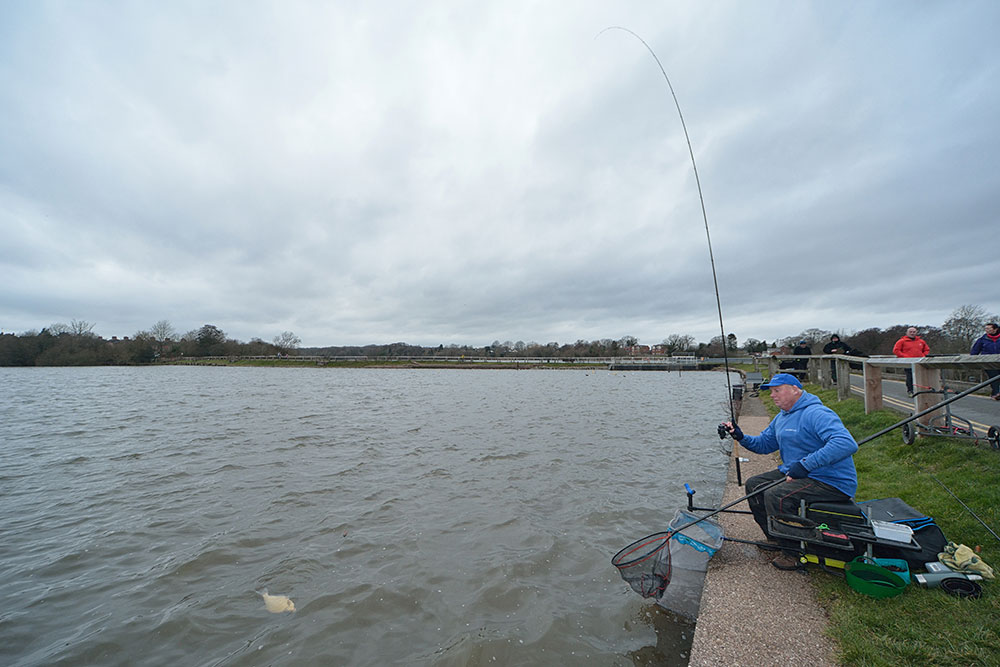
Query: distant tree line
column 581, row 348
column 75, row 344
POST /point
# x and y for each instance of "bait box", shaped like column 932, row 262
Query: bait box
column 896, row 566
column 895, row 532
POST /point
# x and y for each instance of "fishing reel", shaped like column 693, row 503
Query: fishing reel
column 723, row 431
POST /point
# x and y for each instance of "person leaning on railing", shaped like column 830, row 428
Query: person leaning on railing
column 802, row 350
column 836, row 346
column 911, row 346
column 989, row 343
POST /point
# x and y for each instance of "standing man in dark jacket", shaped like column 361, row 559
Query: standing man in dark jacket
column 911, row 346
column 989, row 343
column 836, row 346
column 802, row 349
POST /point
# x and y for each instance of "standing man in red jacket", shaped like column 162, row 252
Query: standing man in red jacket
column 911, row 345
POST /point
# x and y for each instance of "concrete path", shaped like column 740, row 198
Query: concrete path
column 752, row 613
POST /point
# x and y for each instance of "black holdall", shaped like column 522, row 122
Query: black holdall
column 928, row 534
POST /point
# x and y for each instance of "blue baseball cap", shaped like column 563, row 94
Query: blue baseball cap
column 782, row 378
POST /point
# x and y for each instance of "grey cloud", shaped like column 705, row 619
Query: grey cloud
column 495, row 172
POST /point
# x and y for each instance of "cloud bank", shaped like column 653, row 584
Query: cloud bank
column 445, row 173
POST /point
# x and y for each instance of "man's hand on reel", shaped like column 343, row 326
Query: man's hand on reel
column 728, row 428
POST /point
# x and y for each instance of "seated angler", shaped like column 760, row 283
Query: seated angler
column 816, row 452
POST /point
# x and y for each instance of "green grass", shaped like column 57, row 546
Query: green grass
column 921, row 626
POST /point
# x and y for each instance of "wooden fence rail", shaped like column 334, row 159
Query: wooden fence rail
column 926, row 373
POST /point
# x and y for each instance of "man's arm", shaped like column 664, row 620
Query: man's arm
column 765, row 443
column 838, row 444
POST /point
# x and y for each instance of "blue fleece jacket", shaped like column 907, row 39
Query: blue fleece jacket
column 813, row 435
column 985, row 345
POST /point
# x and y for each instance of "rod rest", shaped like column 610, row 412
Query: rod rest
column 836, row 514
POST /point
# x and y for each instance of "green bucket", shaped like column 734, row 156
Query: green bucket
column 873, row 580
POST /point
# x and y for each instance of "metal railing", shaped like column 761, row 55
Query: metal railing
column 926, row 372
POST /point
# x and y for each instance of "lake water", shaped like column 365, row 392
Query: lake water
column 415, row 517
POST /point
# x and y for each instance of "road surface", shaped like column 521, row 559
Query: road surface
column 982, row 411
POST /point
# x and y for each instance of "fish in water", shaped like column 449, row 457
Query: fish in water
column 277, row 604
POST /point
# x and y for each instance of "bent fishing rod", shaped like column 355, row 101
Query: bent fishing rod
column 708, row 236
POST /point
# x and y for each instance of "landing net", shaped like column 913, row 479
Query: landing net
column 645, row 564
column 683, row 552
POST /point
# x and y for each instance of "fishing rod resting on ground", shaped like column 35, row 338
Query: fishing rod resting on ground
column 708, row 236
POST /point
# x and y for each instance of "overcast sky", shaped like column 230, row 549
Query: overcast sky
column 458, row 172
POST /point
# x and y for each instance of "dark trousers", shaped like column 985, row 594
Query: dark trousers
column 784, row 498
column 995, row 385
column 909, row 380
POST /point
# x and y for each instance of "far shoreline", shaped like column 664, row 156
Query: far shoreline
column 293, row 362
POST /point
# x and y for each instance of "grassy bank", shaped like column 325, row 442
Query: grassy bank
column 921, row 626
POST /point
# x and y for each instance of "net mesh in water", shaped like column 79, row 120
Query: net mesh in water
column 645, row 564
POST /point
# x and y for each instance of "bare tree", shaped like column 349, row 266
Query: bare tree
column 811, row 336
column 714, row 347
column 162, row 333
column 675, row 343
column 287, row 341
column 628, row 341
column 81, row 328
column 965, row 325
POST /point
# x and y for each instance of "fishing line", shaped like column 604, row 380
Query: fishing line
column 708, row 236
column 967, row 509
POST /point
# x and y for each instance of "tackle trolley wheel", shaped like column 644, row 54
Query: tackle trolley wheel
column 993, row 435
column 909, row 433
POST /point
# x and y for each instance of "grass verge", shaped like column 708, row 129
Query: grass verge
column 921, row 626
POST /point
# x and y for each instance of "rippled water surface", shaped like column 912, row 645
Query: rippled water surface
column 436, row 517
